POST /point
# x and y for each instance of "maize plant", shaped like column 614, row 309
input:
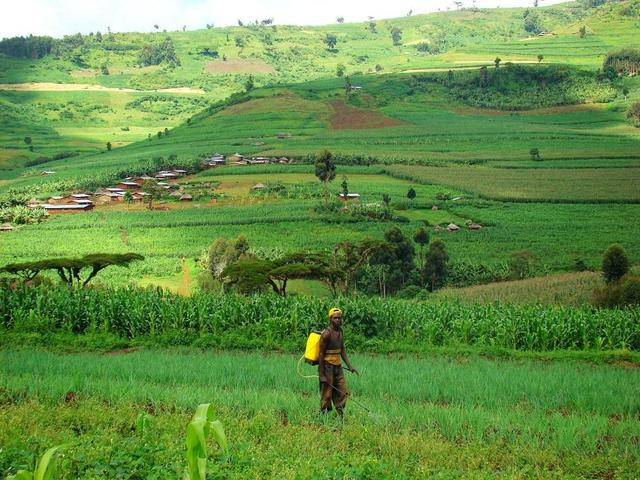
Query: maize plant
column 142, row 423
column 46, row 468
column 201, row 426
column 261, row 321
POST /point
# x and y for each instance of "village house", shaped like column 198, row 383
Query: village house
column 80, row 196
column 60, row 199
column 67, row 208
column 283, row 160
column 139, row 196
column 141, row 179
column 186, row 197
column 259, row 160
column 44, row 173
column 125, row 185
column 103, row 198
column 348, row 196
column 258, row 186
column 164, row 175
column 213, row 161
column 5, row 227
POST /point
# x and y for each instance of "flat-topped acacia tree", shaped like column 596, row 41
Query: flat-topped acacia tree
column 69, row 269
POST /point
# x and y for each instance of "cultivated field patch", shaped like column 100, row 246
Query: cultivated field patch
column 238, row 65
column 439, row 417
column 285, row 103
column 565, row 289
column 539, row 185
column 345, row 117
column 84, row 73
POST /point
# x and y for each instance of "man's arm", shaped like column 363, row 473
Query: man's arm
column 343, row 354
column 324, row 340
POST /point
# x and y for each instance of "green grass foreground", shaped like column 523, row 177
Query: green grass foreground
column 440, row 417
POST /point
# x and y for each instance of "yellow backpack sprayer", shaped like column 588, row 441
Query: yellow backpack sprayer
column 312, row 350
column 311, row 353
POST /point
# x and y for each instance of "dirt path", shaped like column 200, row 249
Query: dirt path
column 185, row 284
column 78, row 87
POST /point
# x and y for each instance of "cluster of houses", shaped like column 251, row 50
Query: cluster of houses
column 83, row 201
column 452, row 227
column 218, row 160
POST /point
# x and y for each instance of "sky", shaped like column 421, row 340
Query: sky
column 64, row 17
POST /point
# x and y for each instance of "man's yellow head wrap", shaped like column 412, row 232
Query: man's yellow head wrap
column 333, row 311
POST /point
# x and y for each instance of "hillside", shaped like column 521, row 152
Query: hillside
column 94, row 89
column 424, row 118
column 541, row 154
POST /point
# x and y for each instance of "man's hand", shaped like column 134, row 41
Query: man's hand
column 353, row 370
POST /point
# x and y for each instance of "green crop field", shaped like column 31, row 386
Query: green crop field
column 564, row 231
column 468, row 417
column 585, row 185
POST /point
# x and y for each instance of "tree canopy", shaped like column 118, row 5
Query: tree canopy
column 70, row 269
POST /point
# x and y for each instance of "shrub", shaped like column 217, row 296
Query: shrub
column 521, row 264
column 409, row 292
column 615, row 263
column 633, row 113
column 625, row 61
column 622, row 293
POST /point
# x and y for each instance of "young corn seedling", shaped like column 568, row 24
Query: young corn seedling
column 142, row 423
column 46, row 468
column 202, row 424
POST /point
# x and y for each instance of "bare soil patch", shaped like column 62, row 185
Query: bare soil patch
column 629, row 364
column 238, row 65
column 83, row 73
column 345, row 117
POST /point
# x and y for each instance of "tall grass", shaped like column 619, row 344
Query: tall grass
column 563, row 406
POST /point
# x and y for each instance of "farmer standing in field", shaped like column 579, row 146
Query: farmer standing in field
column 333, row 386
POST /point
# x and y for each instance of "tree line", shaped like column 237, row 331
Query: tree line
column 373, row 266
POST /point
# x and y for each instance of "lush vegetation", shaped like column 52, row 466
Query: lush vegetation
column 280, row 322
column 214, row 65
column 440, row 416
column 494, row 153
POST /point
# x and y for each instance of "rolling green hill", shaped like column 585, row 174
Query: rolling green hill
column 76, row 106
column 543, row 147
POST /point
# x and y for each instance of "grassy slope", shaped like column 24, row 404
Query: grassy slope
column 292, row 54
column 432, row 127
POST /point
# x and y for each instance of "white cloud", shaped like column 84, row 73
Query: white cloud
column 63, row 17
